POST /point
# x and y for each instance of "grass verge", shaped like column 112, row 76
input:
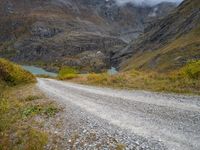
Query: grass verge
column 185, row 80
column 18, row 128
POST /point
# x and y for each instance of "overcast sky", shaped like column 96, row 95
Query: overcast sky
column 147, row 2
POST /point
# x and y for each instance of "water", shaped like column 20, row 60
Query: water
column 112, row 71
column 39, row 71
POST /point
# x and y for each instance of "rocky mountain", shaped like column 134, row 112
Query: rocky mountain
column 81, row 33
column 166, row 44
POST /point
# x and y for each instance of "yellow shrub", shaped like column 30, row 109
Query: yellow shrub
column 67, row 73
column 13, row 74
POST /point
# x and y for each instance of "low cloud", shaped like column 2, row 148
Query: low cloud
column 146, row 2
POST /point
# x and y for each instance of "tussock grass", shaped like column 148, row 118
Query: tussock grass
column 33, row 110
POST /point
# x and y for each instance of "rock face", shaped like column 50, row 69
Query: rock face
column 174, row 38
column 71, row 32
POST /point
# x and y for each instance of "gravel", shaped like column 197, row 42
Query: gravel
column 103, row 118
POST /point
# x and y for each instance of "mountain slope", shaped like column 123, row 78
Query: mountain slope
column 75, row 33
column 167, row 44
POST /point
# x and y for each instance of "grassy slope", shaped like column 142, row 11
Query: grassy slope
column 18, row 106
column 172, row 56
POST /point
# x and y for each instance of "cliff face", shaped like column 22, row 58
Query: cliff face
column 168, row 43
column 72, row 32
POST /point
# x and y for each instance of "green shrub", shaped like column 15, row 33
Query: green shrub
column 192, row 69
column 49, row 110
column 67, row 73
column 30, row 111
column 13, row 74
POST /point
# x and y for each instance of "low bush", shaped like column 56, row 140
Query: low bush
column 67, row 73
column 49, row 110
column 13, row 74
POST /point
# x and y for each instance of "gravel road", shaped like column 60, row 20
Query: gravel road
column 137, row 119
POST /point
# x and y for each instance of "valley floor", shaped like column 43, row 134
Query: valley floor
column 113, row 119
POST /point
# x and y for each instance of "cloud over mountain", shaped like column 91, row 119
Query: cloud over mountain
column 146, row 2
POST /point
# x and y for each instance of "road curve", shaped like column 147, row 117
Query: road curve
column 172, row 120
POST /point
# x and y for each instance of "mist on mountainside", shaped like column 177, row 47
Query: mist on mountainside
column 146, row 2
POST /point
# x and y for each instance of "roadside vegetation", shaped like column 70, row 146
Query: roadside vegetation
column 12, row 74
column 184, row 80
column 67, row 73
column 19, row 105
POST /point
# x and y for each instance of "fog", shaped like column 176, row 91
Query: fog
column 146, row 2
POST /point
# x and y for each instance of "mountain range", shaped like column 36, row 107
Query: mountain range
column 94, row 35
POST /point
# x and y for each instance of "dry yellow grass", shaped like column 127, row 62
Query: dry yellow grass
column 18, row 107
